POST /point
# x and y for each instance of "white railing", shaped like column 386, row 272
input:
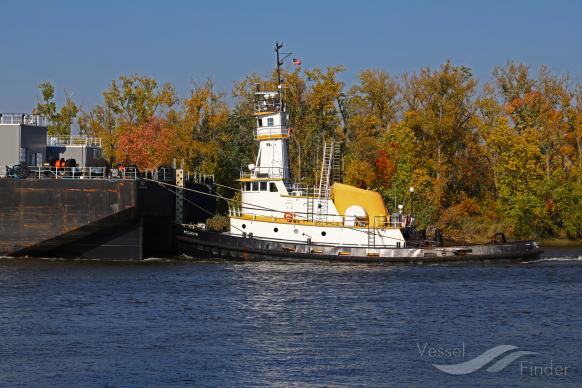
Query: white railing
column 23, row 118
column 73, row 140
column 264, row 172
column 234, row 211
column 198, row 177
column 298, row 190
column 40, row 172
column 68, row 172
column 267, row 102
column 123, row 173
column 271, row 131
column 161, row 174
column 169, row 174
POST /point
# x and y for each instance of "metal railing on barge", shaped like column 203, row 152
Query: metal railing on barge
column 23, row 118
column 120, row 173
column 45, row 172
column 73, row 140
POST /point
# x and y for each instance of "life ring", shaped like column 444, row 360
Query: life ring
column 289, row 217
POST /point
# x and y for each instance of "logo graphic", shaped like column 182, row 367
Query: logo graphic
column 464, row 368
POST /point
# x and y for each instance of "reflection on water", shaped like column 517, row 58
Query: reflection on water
column 174, row 322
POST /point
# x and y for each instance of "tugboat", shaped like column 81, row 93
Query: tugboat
column 331, row 221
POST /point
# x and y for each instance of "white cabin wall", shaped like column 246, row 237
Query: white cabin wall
column 276, row 204
column 300, row 233
column 272, row 158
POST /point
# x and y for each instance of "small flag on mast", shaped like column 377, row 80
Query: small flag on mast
column 297, row 61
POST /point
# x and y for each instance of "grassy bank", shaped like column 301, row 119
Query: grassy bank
column 556, row 242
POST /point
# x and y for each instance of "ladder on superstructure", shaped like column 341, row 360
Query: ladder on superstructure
column 324, row 182
column 337, row 163
column 371, row 236
column 310, row 204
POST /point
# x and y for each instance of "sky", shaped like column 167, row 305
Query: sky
column 80, row 46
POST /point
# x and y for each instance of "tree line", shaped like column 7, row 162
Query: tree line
column 505, row 155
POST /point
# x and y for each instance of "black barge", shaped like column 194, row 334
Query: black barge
column 58, row 198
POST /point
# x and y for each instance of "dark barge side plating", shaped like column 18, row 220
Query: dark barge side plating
column 113, row 219
column 57, row 198
column 197, row 243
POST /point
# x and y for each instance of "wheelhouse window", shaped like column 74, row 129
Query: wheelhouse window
column 272, row 187
column 263, row 186
column 255, row 186
column 270, row 122
column 260, row 122
column 247, row 186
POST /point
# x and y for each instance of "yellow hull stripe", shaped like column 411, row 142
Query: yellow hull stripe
column 300, row 222
column 271, row 137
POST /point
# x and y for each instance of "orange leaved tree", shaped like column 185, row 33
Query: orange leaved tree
column 148, row 145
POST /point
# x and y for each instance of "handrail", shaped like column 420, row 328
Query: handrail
column 264, row 173
column 73, row 140
column 68, row 172
column 271, row 131
column 123, row 173
column 23, row 118
column 267, row 105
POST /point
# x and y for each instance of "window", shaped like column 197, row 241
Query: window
column 263, row 186
column 260, row 122
column 270, row 122
column 276, row 230
column 323, row 233
column 248, row 186
column 272, row 187
column 255, row 186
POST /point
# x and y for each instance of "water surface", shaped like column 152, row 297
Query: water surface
column 182, row 323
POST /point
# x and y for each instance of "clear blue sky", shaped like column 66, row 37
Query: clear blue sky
column 81, row 46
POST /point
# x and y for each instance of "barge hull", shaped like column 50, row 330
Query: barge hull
column 92, row 218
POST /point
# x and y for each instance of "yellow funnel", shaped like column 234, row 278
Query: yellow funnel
column 344, row 196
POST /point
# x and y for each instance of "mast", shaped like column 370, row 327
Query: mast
column 271, row 132
column 279, row 46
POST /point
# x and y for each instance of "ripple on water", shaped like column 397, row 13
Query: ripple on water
column 182, row 322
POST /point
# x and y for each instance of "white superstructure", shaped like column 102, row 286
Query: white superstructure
column 273, row 208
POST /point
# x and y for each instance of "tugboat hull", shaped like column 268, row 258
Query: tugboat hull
column 204, row 244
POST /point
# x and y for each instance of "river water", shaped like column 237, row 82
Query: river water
column 181, row 323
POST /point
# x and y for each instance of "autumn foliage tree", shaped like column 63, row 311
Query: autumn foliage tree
column 147, row 145
column 60, row 120
column 128, row 103
column 502, row 156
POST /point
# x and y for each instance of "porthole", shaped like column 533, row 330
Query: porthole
column 276, row 230
column 296, row 231
column 244, row 226
column 323, row 233
column 319, row 206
